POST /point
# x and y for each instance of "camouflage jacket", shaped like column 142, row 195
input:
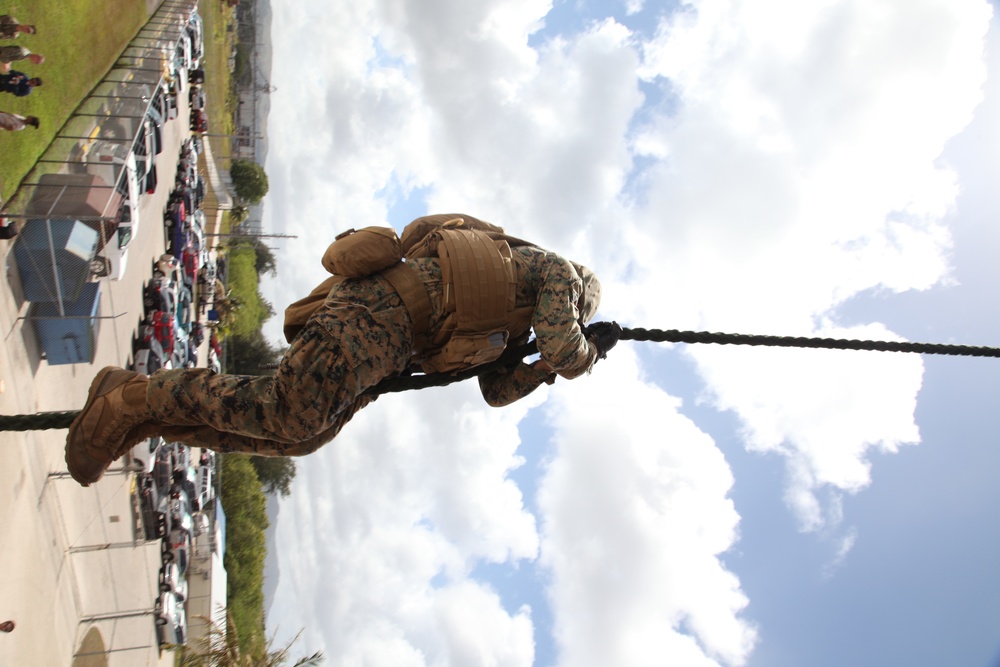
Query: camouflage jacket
column 551, row 285
column 545, row 281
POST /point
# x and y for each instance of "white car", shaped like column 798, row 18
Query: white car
column 144, row 454
column 172, row 581
column 182, row 55
column 195, row 31
column 150, row 359
column 171, row 620
column 206, row 486
column 113, row 257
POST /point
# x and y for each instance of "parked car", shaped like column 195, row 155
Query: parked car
column 199, row 121
column 150, row 358
column 196, row 33
column 179, row 239
column 172, row 581
column 184, row 316
column 161, row 325
column 179, row 356
column 144, row 454
column 190, row 258
column 206, row 485
column 186, row 481
column 214, row 364
column 182, row 54
column 160, row 294
column 171, row 621
column 168, row 267
column 165, row 103
column 162, row 469
column 177, row 546
column 151, row 509
column 198, row 229
column 187, row 172
column 197, row 334
column 196, row 96
column 156, row 120
column 145, row 151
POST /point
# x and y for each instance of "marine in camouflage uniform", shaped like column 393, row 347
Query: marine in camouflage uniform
column 360, row 335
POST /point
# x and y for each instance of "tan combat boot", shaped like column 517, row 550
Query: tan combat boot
column 114, row 419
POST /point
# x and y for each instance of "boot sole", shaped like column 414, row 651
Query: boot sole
column 95, row 391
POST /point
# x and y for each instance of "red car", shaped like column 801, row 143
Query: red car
column 190, row 259
column 161, row 326
column 199, row 121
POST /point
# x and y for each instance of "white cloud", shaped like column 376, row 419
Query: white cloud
column 636, row 515
column 404, row 503
column 800, row 169
column 795, row 166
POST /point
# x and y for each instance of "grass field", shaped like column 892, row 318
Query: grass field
column 76, row 60
column 219, row 43
column 80, row 40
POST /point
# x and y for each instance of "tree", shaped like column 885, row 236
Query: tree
column 252, row 354
column 249, row 181
column 239, row 213
column 275, row 472
column 266, row 261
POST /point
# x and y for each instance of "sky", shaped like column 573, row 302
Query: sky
column 757, row 166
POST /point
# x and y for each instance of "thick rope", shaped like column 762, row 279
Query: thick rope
column 512, row 356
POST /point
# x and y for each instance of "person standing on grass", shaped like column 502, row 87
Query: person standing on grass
column 10, row 27
column 18, row 84
column 13, row 122
column 13, row 53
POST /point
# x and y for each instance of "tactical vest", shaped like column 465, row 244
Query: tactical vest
column 480, row 288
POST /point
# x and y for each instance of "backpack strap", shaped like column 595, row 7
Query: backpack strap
column 411, row 290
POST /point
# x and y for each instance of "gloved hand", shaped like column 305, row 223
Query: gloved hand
column 604, row 336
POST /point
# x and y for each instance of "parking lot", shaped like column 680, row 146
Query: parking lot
column 81, row 575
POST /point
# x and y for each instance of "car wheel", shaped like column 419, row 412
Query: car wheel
column 100, row 266
column 164, row 588
column 168, row 556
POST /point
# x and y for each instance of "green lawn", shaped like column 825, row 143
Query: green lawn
column 80, row 40
column 219, row 41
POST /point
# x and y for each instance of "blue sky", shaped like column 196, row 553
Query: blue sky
column 763, row 166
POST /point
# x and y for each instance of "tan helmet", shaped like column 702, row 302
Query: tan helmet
column 590, row 300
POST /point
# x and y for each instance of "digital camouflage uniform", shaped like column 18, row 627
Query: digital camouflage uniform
column 361, row 335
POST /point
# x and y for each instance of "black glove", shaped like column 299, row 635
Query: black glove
column 604, row 336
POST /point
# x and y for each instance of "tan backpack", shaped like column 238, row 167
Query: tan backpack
column 480, row 286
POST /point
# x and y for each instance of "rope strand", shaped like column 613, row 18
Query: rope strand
column 512, row 356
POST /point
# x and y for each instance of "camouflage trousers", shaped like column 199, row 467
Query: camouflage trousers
column 361, row 335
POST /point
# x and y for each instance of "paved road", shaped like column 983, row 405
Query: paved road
column 69, row 554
